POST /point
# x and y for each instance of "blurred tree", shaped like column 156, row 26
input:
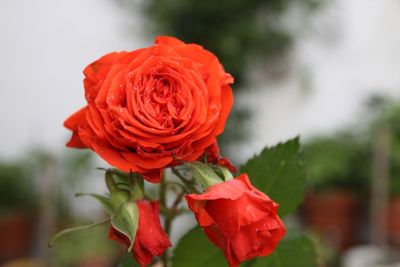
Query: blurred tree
column 239, row 32
column 17, row 189
column 339, row 161
column 385, row 112
column 389, row 117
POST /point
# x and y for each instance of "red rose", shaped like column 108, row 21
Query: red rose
column 238, row 218
column 153, row 105
column 150, row 240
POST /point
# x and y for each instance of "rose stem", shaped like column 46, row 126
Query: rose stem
column 166, row 212
column 170, row 213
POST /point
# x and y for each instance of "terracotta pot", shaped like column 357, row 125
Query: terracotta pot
column 393, row 221
column 16, row 233
column 333, row 214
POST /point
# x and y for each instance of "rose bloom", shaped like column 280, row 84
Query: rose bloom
column 150, row 240
column 239, row 219
column 151, row 106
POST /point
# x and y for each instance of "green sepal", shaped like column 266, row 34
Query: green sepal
column 118, row 198
column 126, row 220
column 223, row 172
column 103, row 200
column 75, row 229
column 204, row 174
column 136, row 186
column 124, row 186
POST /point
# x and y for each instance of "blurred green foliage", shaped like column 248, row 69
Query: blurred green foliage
column 239, row 32
column 91, row 246
column 127, row 261
column 338, row 161
column 17, row 188
column 68, row 171
column 344, row 160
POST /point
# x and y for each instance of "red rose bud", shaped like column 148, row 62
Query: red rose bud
column 150, row 240
column 148, row 107
column 214, row 157
column 239, row 219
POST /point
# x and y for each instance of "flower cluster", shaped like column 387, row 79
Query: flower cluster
column 163, row 107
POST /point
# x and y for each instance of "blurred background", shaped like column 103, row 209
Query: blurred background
column 327, row 70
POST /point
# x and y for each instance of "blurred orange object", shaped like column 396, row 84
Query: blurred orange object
column 394, row 221
column 333, row 214
column 16, row 232
column 24, row 263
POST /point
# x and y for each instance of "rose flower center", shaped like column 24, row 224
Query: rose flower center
column 162, row 99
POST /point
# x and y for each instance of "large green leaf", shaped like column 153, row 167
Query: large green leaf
column 278, row 172
column 195, row 250
column 126, row 220
column 296, row 250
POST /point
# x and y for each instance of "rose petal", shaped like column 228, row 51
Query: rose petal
column 167, row 40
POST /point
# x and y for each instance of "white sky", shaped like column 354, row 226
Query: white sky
column 45, row 44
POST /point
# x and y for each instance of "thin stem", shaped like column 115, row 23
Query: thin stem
column 166, row 213
column 178, row 200
column 167, row 229
column 162, row 193
column 170, row 213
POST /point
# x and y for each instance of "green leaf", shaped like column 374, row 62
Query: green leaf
column 126, row 220
column 278, row 172
column 195, row 250
column 104, row 201
column 75, row 229
column 296, row 250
